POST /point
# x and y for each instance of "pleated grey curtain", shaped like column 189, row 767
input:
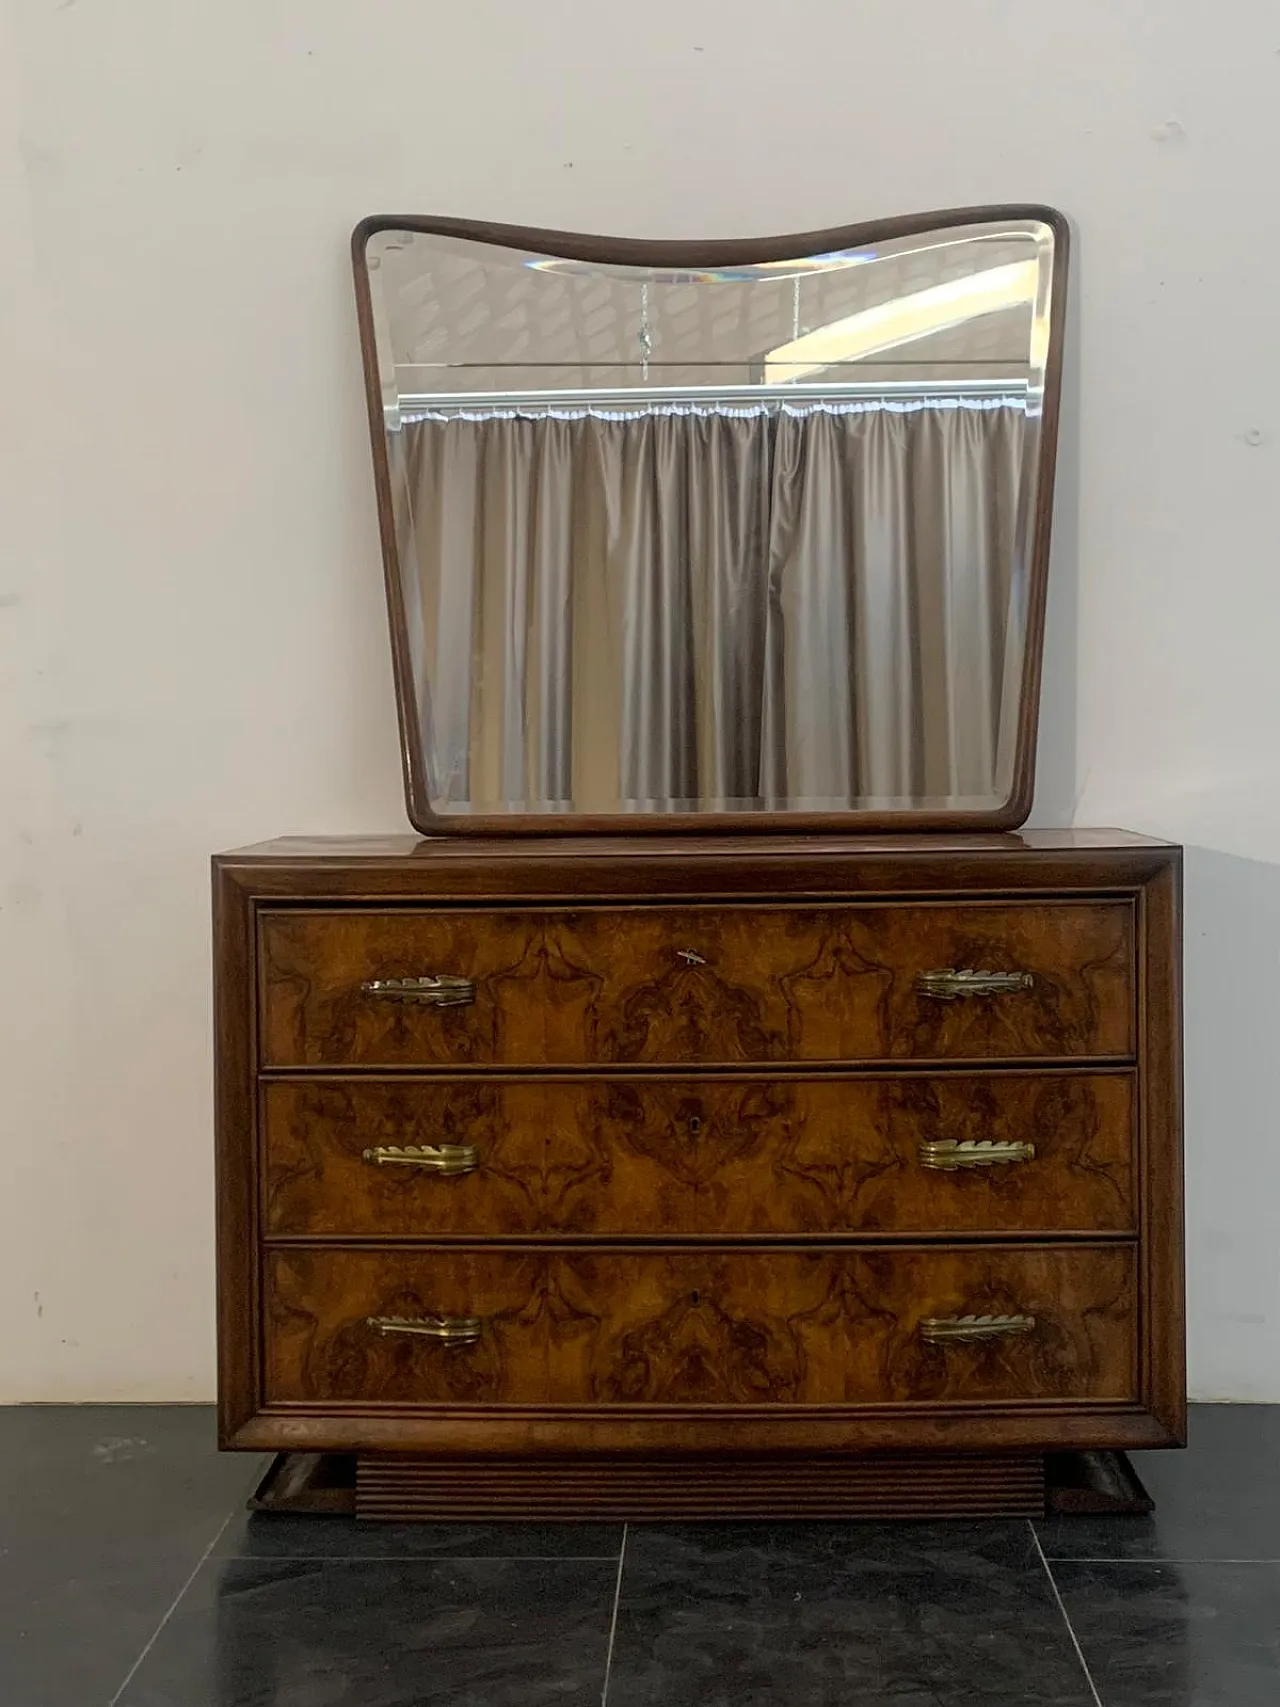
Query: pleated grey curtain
column 701, row 606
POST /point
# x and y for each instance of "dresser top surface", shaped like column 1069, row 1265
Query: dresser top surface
column 414, row 849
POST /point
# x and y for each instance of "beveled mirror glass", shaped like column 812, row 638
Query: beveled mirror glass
column 726, row 535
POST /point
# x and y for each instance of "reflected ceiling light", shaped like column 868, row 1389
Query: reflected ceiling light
column 906, row 318
column 754, row 272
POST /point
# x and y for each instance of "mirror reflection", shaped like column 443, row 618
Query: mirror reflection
column 748, row 538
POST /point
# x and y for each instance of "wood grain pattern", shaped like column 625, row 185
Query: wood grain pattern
column 1163, row 1286
column 768, row 984
column 239, row 1304
column 700, row 1156
column 343, row 853
column 1048, row 1425
column 722, row 1327
column 440, row 1487
column 401, row 877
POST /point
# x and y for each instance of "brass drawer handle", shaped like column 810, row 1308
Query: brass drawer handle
column 949, row 1154
column 443, row 991
column 949, row 985
column 938, row 1329
column 432, row 1158
column 451, row 1330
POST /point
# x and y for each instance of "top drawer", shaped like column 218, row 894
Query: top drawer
column 696, row 984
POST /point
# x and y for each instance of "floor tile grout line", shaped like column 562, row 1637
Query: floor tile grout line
column 418, row 1558
column 613, row 1622
column 1120, row 1559
column 1062, row 1608
column 201, row 1562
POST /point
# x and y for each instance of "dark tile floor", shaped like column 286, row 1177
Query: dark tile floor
column 131, row 1577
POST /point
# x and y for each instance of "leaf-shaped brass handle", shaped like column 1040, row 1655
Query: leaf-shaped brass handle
column 431, row 1158
column 940, row 1329
column 435, row 990
column 449, row 1330
column 947, row 1155
column 950, row 985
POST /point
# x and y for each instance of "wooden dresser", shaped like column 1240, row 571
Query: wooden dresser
column 675, row 1176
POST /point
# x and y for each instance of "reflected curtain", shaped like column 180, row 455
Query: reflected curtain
column 712, row 604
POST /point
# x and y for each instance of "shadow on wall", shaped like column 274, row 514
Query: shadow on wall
column 1232, row 993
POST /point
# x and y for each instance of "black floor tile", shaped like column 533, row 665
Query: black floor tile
column 835, row 1615
column 105, row 1510
column 281, row 1536
column 1176, row 1635
column 71, row 1627
column 151, row 1471
column 1219, row 1499
column 382, row 1633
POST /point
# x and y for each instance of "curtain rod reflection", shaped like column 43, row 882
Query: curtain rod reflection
column 412, row 406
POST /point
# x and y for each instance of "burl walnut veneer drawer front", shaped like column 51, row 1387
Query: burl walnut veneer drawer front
column 616, row 1327
column 696, row 984
column 973, row 1153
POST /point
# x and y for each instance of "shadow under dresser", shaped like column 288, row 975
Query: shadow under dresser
column 670, row 1176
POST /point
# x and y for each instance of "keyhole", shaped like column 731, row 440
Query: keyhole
column 695, row 1297
column 695, row 1125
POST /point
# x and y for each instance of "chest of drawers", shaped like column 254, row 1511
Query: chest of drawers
column 674, row 1176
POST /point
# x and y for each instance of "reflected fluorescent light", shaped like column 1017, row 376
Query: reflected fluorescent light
column 755, row 272
column 906, row 318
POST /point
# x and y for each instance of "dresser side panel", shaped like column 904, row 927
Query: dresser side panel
column 1160, row 1166
column 237, row 1170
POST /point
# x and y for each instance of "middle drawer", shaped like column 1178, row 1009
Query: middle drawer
column 992, row 1152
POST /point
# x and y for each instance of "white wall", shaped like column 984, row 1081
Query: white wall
column 191, row 626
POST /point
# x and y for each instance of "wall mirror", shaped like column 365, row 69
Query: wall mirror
column 719, row 535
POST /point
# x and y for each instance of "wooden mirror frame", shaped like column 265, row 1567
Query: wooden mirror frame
column 708, row 255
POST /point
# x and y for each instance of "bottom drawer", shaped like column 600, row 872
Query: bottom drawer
column 578, row 1327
